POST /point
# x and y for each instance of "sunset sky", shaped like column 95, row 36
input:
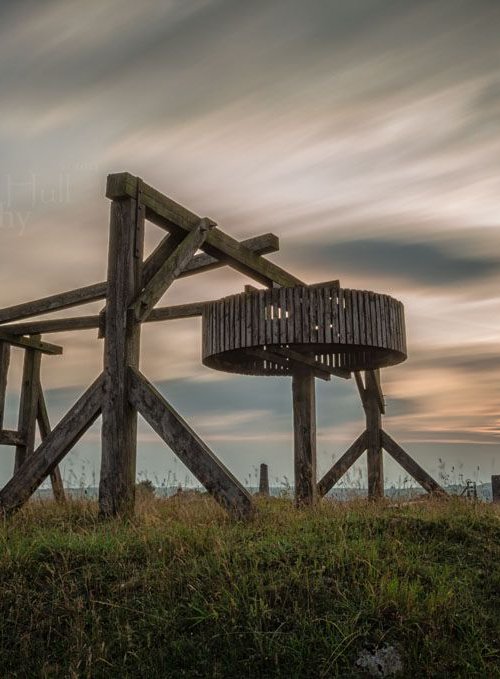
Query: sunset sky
column 364, row 133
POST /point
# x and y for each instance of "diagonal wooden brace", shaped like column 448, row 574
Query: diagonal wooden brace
column 189, row 448
column 410, row 466
column 44, row 428
column 170, row 269
column 51, row 451
column 343, row 464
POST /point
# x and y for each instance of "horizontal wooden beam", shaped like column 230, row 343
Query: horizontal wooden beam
column 51, row 451
column 343, row 464
column 30, row 343
column 261, row 245
column 288, row 362
column 188, row 446
column 308, row 360
column 62, row 300
column 10, row 438
column 200, row 263
column 410, row 466
column 170, row 215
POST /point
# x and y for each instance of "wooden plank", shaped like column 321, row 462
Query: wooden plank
column 170, row 215
column 188, row 446
column 28, row 406
column 51, row 451
column 304, row 428
column 307, row 360
column 169, row 270
column 62, row 300
column 374, row 457
column 30, row 343
column 290, row 360
column 10, row 438
column 260, row 245
column 44, row 428
column 4, row 370
column 121, row 348
column 342, row 465
column 410, row 466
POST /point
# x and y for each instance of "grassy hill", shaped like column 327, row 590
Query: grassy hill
column 181, row 591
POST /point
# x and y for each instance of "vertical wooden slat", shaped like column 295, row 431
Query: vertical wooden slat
column 291, row 317
column 306, row 316
column 327, row 306
column 298, row 309
column 342, row 337
column 361, row 316
column 348, row 316
column 283, row 339
column 355, row 317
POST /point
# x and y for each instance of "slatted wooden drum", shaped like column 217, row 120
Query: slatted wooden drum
column 259, row 332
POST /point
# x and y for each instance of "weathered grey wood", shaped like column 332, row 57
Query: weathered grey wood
column 185, row 443
column 121, row 349
column 410, row 466
column 62, row 300
column 169, row 270
column 200, row 263
column 174, row 217
column 495, row 488
column 28, row 405
column 30, row 343
column 309, row 361
column 10, row 438
column 304, row 427
column 44, row 428
column 264, row 480
column 4, row 369
column 374, row 456
column 287, row 360
column 342, row 465
column 53, row 325
column 51, row 451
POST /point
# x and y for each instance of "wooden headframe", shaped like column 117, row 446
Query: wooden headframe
column 131, row 291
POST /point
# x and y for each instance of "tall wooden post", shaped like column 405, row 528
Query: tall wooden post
column 121, row 349
column 304, row 426
column 4, row 368
column 374, row 453
column 28, row 405
column 264, row 479
column 495, row 488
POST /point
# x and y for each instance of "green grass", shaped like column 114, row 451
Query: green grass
column 181, row 591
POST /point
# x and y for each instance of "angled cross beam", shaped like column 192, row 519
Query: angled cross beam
column 168, row 214
column 410, row 466
column 169, row 270
column 51, row 451
column 343, row 464
column 42, row 417
column 259, row 245
column 188, row 447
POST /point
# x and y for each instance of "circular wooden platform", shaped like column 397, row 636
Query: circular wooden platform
column 255, row 332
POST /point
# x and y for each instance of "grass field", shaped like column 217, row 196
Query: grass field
column 181, row 591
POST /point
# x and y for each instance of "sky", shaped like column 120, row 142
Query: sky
column 364, row 133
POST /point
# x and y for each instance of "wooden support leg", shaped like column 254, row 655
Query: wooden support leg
column 121, row 349
column 343, row 464
column 51, row 451
column 304, row 425
column 44, row 428
column 4, row 369
column 375, row 459
column 28, row 406
column 190, row 449
column 410, row 466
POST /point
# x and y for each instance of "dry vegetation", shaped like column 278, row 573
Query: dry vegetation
column 181, row 591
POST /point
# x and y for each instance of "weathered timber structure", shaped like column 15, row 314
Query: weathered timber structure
column 289, row 329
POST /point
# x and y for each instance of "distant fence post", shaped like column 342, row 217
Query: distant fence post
column 264, row 480
column 495, row 488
